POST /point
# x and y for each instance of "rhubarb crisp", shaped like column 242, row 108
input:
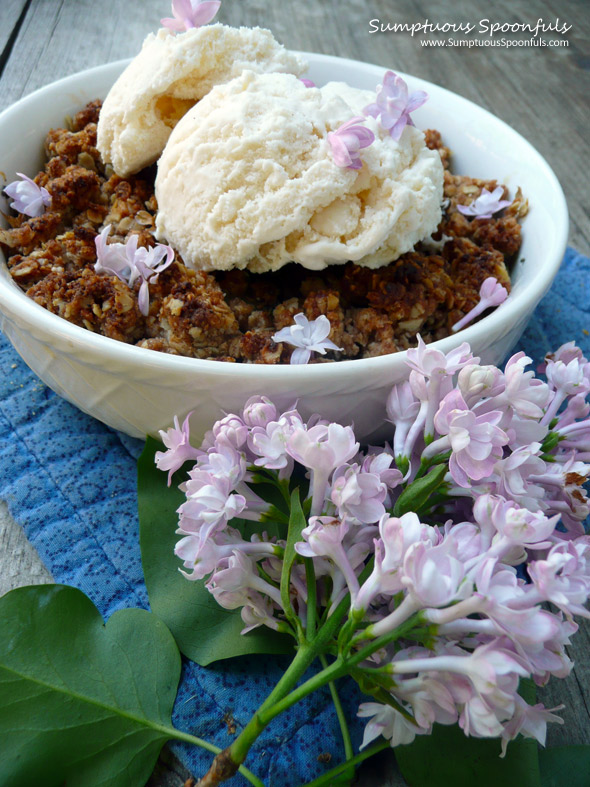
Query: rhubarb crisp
column 233, row 315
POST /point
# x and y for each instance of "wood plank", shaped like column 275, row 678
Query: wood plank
column 10, row 12
column 19, row 562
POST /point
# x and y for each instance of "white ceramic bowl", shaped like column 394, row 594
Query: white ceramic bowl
column 139, row 391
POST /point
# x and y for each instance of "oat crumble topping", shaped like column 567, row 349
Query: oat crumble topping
column 231, row 316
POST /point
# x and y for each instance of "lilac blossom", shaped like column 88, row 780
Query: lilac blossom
column 394, row 104
column 268, row 444
column 563, row 576
column 307, row 82
column 179, row 450
column 307, row 336
column 526, row 395
column 358, row 496
column 237, row 574
column 187, row 14
column 488, row 203
column 388, row 722
column 323, row 538
column 259, row 411
column 27, row 196
column 380, row 464
column 431, row 379
column 491, row 293
column 402, row 408
column 231, row 431
column 322, row 449
column 476, row 442
column 433, row 576
column 529, row 721
column 202, row 557
column 347, row 141
column 130, row 264
column 505, row 456
column 210, row 505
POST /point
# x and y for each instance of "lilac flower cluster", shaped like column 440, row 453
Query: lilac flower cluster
column 459, row 551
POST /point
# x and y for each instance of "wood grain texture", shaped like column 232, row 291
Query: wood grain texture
column 10, row 15
column 19, row 562
column 542, row 92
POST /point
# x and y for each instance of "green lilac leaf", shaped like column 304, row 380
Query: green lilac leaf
column 297, row 521
column 416, row 494
column 204, row 631
column 447, row 758
column 81, row 703
column 565, row 765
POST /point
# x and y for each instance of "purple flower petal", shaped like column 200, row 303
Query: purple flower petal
column 396, row 130
column 346, row 142
column 130, row 263
column 372, row 110
column 484, row 206
column 28, row 198
column 394, row 105
column 307, row 336
column 205, row 11
column 416, row 100
column 176, row 25
column 189, row 14
column 340, row 152
column 300, row 355
column 143, row 298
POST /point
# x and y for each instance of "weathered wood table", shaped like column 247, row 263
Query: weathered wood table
column 542, row 91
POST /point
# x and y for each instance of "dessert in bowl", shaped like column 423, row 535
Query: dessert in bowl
column 139, row 391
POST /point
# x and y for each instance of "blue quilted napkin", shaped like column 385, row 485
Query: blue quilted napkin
column 70, row 482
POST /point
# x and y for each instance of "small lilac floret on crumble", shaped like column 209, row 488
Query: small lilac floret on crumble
column 488, row 203
column 308, row 82
column 188, row 14
column 347, row 141
column 491, row 293
column 29, row 198
column 307, row 336
column 394, row 104
column 129, row 263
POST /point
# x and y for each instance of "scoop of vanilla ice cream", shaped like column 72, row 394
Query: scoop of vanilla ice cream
column 247, row 180
column 169, row 75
